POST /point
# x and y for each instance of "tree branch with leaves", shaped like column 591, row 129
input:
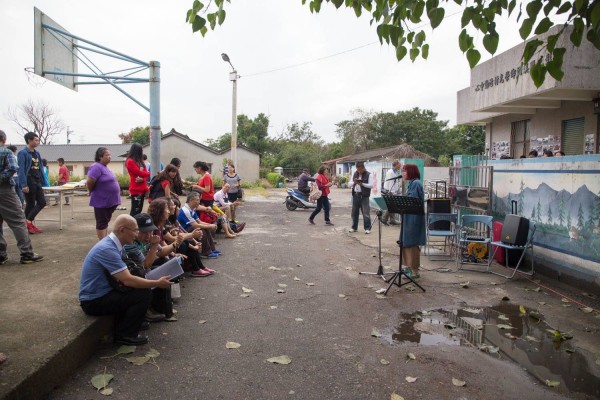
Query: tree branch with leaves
column 398, row 24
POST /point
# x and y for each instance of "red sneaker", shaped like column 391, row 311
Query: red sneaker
column 30, row 228
column 37, row 230
column 212, row 271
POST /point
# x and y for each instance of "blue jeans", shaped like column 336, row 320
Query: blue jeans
column 322, row 203
column 361, row 203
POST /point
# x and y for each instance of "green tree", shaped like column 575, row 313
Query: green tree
column 221, row 143
column 580, row 220
column 521, row 197
column 549, row 214
column 539, row 212
column 253, row 133
column 402, row 24
column 569, row 221
column 561, row 211
column 138, row 134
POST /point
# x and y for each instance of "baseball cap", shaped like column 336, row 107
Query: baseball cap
column 144, row 222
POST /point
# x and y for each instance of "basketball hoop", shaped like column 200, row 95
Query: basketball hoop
column 33, row 79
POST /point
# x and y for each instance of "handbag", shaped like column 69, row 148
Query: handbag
column 240, row 193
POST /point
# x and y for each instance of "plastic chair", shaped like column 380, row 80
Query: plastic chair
column 449, row 235
column 475, row 242
column 508, row 247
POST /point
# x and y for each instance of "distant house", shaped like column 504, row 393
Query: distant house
column 79, row 157
column 176, row 144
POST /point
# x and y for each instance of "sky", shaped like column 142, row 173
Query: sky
column 294, row 66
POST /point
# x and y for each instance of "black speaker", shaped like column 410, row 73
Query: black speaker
column 515, row 230
column 436, row 206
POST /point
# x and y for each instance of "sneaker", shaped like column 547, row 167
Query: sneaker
column 310, row 221
column 37, row 230
column 31, row 258
column 217, row 252
column 153, row 316
column 30, row 228
column 351, row 230
column 54, row 205
column 172, row 318
column 329, row 223
column 240, row 227
column 200, row 273
column 214, row 253
column 3, row 260
column 367, row 232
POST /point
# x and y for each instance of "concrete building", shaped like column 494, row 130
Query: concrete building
column 559, row 115
column 176, row 144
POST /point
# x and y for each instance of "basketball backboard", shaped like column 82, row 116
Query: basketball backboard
column 53, row 52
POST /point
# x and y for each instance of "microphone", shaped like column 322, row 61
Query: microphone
column 394, row 179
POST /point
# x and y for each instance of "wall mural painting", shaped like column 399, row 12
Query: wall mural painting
column 565, row 207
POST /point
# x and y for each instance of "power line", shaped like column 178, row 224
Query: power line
column 332, row 55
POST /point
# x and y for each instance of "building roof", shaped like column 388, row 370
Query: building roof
column 186, row 138
column 80, row 152
column 392, row 153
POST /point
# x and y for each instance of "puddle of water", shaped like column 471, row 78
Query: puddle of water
column 524, row 340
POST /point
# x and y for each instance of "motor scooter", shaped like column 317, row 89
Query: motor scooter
column 297, row 199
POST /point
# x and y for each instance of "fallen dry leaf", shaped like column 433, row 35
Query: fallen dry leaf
column 138, row 360
column 464, row 285
column 457, row 382
column 126, row 349
column 202, row 322
column 552, row 383
column 586, row 310
column 280, row 290
column 396, row 397
column 107, row 391
column 296, row 278
column 310, row 284
column 375, row 333
column 274, row 269
column 299, row 320
column 101, row 381
column 341, row 295
column 410, row 379
column 280, row 360
column 246, row 290
column 282, row 285
column 232, row 345
column 383, row 361
column 244, row 295
column 411, row 356
column 272, row 307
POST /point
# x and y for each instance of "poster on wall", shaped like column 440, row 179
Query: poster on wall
column 550, row 142
column 590, row 144
column 499, row 149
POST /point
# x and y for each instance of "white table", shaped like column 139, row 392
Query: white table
column 61, row 192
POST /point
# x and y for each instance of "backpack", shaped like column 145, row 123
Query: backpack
column 156, row 189
column 315, row 193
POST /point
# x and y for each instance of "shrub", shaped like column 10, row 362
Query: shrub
column 274, row 178
column 123, row 180
column 74, row 178
column 342, row 179
column 217, row 182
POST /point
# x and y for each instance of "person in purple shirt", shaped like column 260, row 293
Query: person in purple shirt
column 104, row 189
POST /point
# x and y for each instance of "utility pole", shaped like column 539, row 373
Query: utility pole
column 69, row 133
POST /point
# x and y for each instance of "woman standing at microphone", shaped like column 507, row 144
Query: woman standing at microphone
column 414, row 225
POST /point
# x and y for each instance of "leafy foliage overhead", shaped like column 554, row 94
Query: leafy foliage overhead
column 138, row 134
column 399, row 22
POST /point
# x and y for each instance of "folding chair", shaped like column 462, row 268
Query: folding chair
column 474, row 242
column 449, row 234
column 508, row 247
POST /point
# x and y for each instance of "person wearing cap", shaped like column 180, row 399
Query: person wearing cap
column 303, row 180
column 144, row 252
column 98, row 296
column 361, row 191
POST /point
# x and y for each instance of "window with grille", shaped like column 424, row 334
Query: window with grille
column 519, row 138
column 572, row 138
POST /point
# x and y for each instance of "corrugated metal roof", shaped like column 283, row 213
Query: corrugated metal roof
column 80, row 152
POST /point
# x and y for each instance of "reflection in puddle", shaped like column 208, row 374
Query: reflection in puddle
column 523, row 339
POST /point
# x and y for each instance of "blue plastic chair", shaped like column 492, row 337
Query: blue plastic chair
column 507, row 247
column 449, row 235
column 477, row 230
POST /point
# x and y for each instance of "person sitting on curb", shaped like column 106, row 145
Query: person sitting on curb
column 188, row 220
column 10, row 208
column 223, row 203
column 97, row 296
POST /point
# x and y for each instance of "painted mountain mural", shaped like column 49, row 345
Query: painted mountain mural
column 566, row 222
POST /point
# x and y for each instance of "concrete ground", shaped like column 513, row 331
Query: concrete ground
column 345, row 341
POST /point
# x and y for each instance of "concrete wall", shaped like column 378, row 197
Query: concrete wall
column 562, row 196
column 117, row 167
column 544, row 122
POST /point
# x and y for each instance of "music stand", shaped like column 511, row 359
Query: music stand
column 402, row 205
column 381, row 205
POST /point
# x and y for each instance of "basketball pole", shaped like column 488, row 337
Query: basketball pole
column 155, row 116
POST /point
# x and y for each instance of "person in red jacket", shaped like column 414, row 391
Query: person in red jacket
column 323, row 183
column 205, row 184
column 138, row 178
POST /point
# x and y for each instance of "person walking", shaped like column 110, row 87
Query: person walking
column 414, row 225
column 10, row 208
column 391, row 185
column 361, row 191
column 104, row 189
column 32, row 180
column 323, row 183
column 138, row 178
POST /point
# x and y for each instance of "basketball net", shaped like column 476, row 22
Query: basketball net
column 33, row 79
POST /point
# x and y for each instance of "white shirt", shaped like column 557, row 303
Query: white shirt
column 392, row 186
column 221, row 199
column 367, row 184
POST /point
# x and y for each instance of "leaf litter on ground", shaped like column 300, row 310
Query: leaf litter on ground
column 283, row 359
column 458, row 382
column 101, row 381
